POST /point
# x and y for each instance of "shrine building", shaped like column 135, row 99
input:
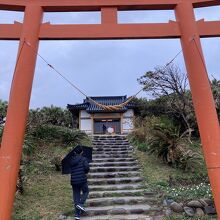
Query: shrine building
column 93, row 119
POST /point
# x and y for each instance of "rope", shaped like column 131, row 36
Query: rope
column 172, row 60
column 105, row 107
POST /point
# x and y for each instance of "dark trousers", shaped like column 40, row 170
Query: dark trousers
column 78, row 198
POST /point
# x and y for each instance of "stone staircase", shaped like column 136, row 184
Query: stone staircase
column 116, row 185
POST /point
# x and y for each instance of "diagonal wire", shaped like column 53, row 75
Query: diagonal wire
column 172, row 60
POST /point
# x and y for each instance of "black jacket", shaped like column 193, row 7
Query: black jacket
column 79, row 169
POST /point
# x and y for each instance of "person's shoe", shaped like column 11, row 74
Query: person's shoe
column 80, row 207
column 77, row 218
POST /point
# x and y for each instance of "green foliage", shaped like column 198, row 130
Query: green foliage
column 160, row 136
column 3, row 108
column 170, row 87
column 59, row 134
column 141, row 131
column 169, row 144
column 1, row 132
column 50, row 115
column 181, row 217
column 189, row 160
column 164, row 140
column 215, row 84
column 28, row 146
column 201, row 190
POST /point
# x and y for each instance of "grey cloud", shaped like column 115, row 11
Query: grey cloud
column 99, row 67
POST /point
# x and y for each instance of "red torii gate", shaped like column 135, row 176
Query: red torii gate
column 32, row 30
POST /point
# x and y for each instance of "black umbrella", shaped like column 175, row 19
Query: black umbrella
column 87, row 153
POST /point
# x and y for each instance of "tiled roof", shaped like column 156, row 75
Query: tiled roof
column 90, row 107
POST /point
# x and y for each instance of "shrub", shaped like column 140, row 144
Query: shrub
column 170, row 145
column 28, row 148
column 1, row 132
column 60, row 134
column 3, row 108
column 164, row 140
column 49, row 115
column 140, row 135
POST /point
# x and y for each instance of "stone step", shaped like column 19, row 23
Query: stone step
column 119, row 217
column 111, row 143
column 116, row 151
column 112, row 156
column 101, row 148
column 112, row 187
column 116, row 201
column 113, row 152
column 113, row 164
column 109, row 138
column 114, row 174
column 120, row 210
column 107, row 148
column 112, row 159
column 113, row 169
column 117, row 193
column 115, row 180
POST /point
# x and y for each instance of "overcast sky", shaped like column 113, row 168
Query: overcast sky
column 99, row 67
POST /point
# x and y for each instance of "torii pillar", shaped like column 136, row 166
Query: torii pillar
column 18, row 108
column 203, row 101
column 32, row 30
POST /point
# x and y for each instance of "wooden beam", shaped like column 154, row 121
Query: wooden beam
column 109, row 31
column 10, row 31
column 96, row 5
column 205, row 3
column 13, row 5
column 109, row 15
column 208, row 28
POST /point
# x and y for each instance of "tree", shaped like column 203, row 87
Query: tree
column 215, row 84
column 171, row 85
column 50, row 115
column 3, row 108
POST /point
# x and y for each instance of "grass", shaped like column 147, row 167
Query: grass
column 47, row 193
column 181, row 217
column 158, row 178
column 154, row 170
column 46, row 197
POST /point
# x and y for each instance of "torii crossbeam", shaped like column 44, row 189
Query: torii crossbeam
column 32, row 30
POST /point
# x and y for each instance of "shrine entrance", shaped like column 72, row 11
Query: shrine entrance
column 102, row 126
column 32, row 30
